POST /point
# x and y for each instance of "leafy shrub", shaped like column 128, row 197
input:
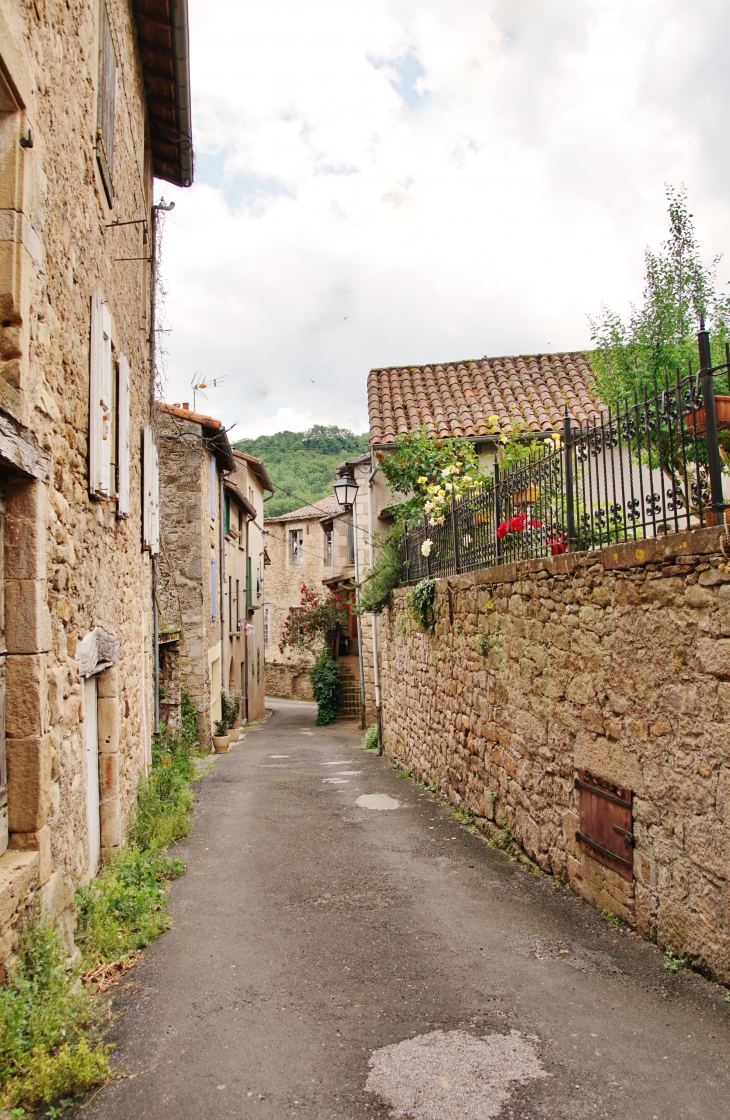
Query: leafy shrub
column 370, row 738
column 421, row 602
column 49, row 1023
column 164, row 798
column 126, row 907
column 325, row 678
column 385, row 575
column 189, row 719
column 230, row 707
column 319, row 616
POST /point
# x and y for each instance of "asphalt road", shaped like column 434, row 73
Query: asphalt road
column 311, row 932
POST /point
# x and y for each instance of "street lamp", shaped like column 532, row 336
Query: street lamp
column 346, row 489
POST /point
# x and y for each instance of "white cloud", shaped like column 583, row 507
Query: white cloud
column 391, row 181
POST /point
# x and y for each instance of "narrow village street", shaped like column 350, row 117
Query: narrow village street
column 332, row 908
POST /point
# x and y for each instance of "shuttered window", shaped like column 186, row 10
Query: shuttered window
column 106, row 100
column 101, row 429
column 151, row 493
column 213, row 586
column 212, row 487
column 123, row 438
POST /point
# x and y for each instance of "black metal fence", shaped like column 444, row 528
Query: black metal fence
column 653, row 465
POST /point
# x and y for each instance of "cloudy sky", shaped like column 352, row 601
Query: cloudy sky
column 407, row 181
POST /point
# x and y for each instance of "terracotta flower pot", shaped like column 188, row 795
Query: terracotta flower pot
column 220, row 742
column 696, row 423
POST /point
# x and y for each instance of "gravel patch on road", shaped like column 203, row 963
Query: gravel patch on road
column 452, row 1075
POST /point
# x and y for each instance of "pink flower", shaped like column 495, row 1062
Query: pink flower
column 502, row 530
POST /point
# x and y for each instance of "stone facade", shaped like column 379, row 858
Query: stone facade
column 77, row 581
column 194, row 454
column 245, row 569
column 614, row 662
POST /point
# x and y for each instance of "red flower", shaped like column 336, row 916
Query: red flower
column 558, row 545
column 535, row 524
column 518, row 523
column 502, row 530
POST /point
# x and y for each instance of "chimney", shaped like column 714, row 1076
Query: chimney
column 186, row 406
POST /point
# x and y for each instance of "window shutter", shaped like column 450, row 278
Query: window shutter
column 151, row 493
column 100, row 399
column 213, row 586
column 106, row 101
column 123, row 438
column 212, row 486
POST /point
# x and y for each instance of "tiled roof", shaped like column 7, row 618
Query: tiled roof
column 458, row 398
column 325, row 507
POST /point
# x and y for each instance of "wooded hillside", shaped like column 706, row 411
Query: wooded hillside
column 302, row 464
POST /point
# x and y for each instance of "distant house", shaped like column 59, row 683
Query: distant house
column 526, row 393
column 313, row 545
column 194, row 457
column 244, row 570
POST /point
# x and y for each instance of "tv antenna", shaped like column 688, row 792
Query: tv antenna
column 200, row 384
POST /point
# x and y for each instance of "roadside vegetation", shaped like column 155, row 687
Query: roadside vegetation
column 53, row 1015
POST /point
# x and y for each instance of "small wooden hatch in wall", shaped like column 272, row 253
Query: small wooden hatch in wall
column 606, row 823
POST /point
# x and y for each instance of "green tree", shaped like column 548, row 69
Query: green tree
column 660, row 334
column 302, row 464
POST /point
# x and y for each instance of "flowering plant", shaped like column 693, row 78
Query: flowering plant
column 517, row 524
column 309, row 625
column 430, row 471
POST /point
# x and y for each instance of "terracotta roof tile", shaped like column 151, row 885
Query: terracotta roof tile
column 457, row 398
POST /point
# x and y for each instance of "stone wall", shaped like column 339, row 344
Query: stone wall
column 71, row 563
column 616, row 662
column 288, row 681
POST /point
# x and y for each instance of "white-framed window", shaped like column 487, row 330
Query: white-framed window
column 109, row 413
column 296, row 538
column 266, row 624
column 328, row 532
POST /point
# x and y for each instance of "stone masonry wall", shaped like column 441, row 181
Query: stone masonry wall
column 615, row 661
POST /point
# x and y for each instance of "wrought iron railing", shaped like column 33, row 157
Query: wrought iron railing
column 650, row 466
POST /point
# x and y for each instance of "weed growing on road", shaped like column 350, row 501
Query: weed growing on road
column 610, row 917
column 51, row 1016
column 465, row 817
column 672, row 964
column 370, row 738
column 50, row 1024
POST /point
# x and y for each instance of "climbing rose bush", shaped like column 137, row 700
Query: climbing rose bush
column 310, row 625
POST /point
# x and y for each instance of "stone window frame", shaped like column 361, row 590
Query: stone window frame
column 296, row 547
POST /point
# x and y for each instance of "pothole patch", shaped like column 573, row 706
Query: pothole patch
column 452, row 1075
column 377, row 801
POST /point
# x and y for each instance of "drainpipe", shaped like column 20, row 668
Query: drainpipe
column 222, row 567
column 156, row 642
column 359, row 620
column 249, row 568
column 373, row 620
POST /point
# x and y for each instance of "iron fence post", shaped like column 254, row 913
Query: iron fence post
column 405, row 551
column 714, row 462
column 455, row 523
column 569, row 496
column 428, row 554
column 497, row 508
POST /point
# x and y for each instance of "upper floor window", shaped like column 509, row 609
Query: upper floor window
column 350, row 542
column 107, row 100
column 297, row 546
column 109, row 415
column 328, row 543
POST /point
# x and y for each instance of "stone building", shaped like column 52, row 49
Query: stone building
column 245, row 563
column 194, row 457
column 313, row 545
column 95, row 102
column 476, row 400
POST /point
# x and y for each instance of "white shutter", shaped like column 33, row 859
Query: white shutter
column 123, row 437
column 100, row 399
column 155, row 541
column 151, row 493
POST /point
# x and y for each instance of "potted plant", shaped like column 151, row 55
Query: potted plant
column 220, row 738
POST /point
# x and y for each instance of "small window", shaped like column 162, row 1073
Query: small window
column 227, row 511
column 230, row 604
column 328, row 543
column 297, row 546
column 106, row 103
column 266, row 624
column 241, row 541
column 213, row 586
